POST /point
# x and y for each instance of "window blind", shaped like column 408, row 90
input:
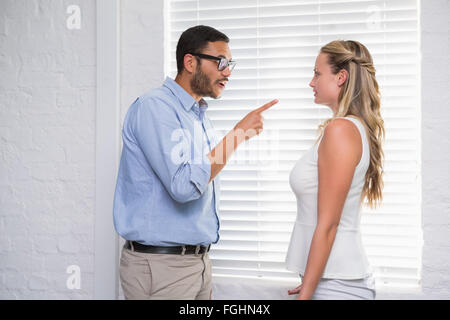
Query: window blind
column 275, row 44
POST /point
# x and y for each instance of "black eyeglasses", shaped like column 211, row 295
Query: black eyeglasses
column 223, row 63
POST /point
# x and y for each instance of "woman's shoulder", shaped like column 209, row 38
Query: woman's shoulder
column 342, row 127
column 342, row 134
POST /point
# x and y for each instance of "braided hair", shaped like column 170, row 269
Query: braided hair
column 360, row 97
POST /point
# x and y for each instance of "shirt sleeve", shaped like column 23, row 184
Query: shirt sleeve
column 169, row 149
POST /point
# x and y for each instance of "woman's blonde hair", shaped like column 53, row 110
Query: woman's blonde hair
column 360, row 97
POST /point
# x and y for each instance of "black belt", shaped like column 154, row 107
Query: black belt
column 185, row 249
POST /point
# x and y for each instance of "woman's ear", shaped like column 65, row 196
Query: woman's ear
column 342, row 77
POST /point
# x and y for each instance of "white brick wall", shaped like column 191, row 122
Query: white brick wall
column 47, row 147
column 436, row 147
column 142, row 51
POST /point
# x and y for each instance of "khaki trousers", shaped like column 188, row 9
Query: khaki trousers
column 149, row 276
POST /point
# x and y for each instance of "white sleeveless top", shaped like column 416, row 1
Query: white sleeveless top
column 347, row 258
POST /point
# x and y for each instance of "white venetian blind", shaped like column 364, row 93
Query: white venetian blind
column 275, row 43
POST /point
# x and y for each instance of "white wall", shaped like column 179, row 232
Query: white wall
column 47, row 143
column 142, row 49
column 47, row 148
column 436, row 147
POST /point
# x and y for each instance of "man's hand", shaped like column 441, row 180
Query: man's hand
column 252, row 123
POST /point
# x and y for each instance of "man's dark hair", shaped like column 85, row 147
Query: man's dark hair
column 194, row 40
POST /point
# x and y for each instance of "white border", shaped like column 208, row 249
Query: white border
column 107, row 148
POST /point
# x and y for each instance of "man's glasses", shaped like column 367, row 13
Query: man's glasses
column 223, row 63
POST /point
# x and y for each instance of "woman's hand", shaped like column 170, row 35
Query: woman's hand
column 296, row 290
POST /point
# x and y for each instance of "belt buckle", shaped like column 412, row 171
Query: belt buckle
column 197, row 250
column 183, row 250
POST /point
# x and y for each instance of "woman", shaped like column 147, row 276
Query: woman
column 333, row 178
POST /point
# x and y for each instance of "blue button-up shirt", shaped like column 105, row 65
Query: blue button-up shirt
column 162, row 195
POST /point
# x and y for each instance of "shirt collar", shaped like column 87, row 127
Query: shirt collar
column 185, row 98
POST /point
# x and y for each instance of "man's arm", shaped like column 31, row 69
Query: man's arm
column 166, row 147
column 249, row 126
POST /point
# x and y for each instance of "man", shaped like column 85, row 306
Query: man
column 166, row 197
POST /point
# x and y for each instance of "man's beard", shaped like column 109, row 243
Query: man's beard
column 201, row 84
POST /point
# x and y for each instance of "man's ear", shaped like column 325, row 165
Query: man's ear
column 342, row 77
column 190, row 63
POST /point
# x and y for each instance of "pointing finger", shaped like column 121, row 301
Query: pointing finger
column 266, row 106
